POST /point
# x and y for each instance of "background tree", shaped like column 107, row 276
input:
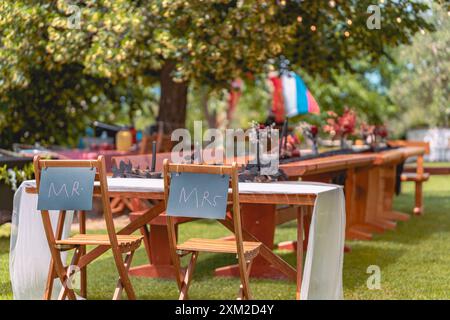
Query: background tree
column 171, row 42
column 44, row 101
column 332, row 35
column 175, row 43
column 213, row 42
column 422, row 87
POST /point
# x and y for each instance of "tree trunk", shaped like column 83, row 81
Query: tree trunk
column 211, row 117
column 173, row 100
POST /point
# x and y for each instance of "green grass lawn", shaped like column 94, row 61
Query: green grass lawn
column 414, row 260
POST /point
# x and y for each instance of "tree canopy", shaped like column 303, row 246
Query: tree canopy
column 178, row 42
column 421, row 89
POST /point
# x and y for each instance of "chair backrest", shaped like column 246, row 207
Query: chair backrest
column 232, row 171
column 410, row 143
column 100, row 190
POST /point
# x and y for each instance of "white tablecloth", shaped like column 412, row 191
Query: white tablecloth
column 322, row 276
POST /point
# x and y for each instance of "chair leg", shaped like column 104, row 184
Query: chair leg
column 66, row 286
column 123, row 273
column 83, row 271
column 119, row 287
column 418, row 209
column 50, row 280
column 188, row 277
column 52, row 274
column 146, row 234
column 242, row 295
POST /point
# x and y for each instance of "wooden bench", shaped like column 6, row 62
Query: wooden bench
column 432, row 171
column 419, row 176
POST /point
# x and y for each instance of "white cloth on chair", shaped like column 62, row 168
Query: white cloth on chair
column 29, row 256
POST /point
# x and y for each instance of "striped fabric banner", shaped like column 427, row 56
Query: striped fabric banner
column 297, row 99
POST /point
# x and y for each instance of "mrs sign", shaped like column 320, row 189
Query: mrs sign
column 198, row 195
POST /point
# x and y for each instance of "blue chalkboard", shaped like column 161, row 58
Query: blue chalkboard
column 66, row 189
column 198, row 195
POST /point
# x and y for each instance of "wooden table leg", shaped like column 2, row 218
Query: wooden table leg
column 291, row 245
column 260, row 221
column 358, row 227
column 160, row 263
column 134, row 225
column 265, row 252
column 389, row 180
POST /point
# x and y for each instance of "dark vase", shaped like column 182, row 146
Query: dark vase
column 343, row 142
column 315, row 149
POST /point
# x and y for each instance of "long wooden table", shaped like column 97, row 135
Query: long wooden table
column 369, row 187
column 369, row 190
column 304, row 201
column 262, row 220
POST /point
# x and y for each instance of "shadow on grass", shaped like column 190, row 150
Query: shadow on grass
column 4, row 244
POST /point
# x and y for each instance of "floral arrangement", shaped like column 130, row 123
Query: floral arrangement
column 13, row 177
column 341, row 126
column 367, row 133
column 289, row 148
column 381, row 131
column 371, row 133
column 311, row 132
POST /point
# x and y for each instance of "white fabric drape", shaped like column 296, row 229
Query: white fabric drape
column 322, row 277
column 29, row 256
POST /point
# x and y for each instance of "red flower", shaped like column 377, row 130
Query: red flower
column 381, row 131
column 342, row 125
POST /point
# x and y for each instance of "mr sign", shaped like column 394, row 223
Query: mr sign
column 198, row 195
column 66, row 189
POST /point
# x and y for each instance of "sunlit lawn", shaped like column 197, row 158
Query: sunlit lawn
column 414, row 260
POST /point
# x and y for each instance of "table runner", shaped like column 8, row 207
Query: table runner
column 322, row 276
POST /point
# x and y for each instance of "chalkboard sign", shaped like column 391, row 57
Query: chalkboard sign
column 66, row 188
column 198, row 195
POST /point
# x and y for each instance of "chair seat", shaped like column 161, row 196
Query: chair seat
column 126, row 242
column 251, row 249
column 412, row 176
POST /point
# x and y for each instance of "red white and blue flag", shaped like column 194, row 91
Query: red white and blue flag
column 291, row 97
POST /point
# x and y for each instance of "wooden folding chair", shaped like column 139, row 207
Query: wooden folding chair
column 119, row 244
column 245, row 251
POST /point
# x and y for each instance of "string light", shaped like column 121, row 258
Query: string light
column 349, row 22
column 299, row 19
column 347, row 34
column 399, row 20
column 332, row 3
column 283, row 2
column 313, row 28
